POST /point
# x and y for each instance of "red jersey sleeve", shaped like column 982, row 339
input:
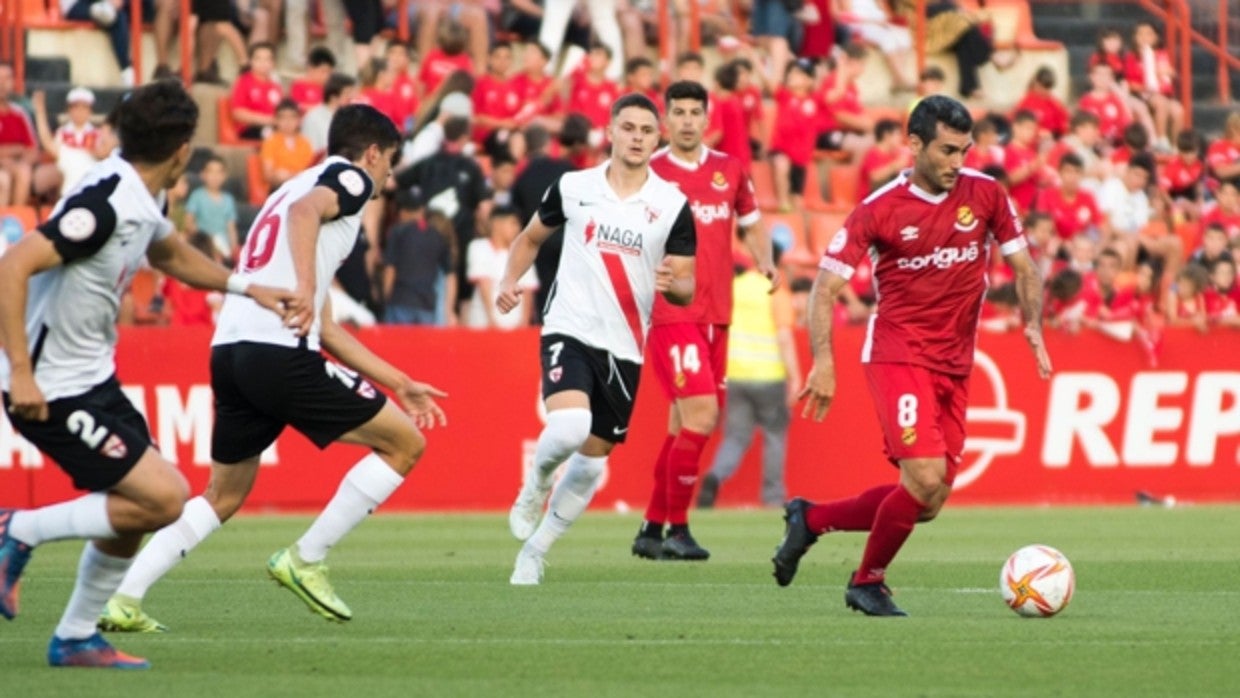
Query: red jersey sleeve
column 1005, row 226
column 746, row 203
column 850, row 244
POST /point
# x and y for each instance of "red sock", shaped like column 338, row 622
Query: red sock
column 656, row 510
column 682, row 474
column 893, row 522
column 852, row 514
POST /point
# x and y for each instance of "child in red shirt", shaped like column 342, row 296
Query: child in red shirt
column 727, row 131
column 1223, row 155
column 1150, row 76
column 447, row 57
column 1220, row 298
column 1073, row 209
column 1051, row 114
column 376, row 89
column 1023, row 162
column 639, row 78
column 404, row 89
column 750, row 94
column 986, row 150
column 592, row 94
column 885, row 160
column 256, row 93
column 1226, row 210
column 307, row 91
column 1104, row 101
column 537, row 93
column 193, row 307
column 1186, row 303
column 797, row 117
column 496, row 104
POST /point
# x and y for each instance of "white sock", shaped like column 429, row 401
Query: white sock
column 169, row 546
column 98, row 576
column 569, row 500
column 565, row 432
column 84, row 517
column 368, row 484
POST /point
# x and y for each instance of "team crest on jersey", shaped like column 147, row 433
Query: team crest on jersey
column 352, row 182
column 555, row 374
column 366, row 390
column 651, row 214
column 965, row 220
column 908, row 436
column 77, row 224
column 680, row 380
column 838, row 241
column 114, row 448
column 719, row 182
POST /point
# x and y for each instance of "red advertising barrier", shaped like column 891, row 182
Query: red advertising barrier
column 1105, row 426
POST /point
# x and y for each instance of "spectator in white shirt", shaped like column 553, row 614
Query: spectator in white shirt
column 486, row 261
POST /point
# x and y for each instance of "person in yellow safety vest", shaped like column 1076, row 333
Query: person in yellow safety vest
column 764, row 378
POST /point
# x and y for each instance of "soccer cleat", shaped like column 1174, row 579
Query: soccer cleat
column 525, row 512
column 124, row 614
column 872, row 599
column 308, row 580
column 528, row 570
column 681, row 546
column 648, row 547
column 708, row 492
column 14, row 555
column 797, row 540
column 93, row 651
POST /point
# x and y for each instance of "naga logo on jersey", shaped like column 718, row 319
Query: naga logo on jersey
column 965, row 220
column 709, row 213
column 77, row 224
column 719, row 182
column 616, row 239
column 942, row 258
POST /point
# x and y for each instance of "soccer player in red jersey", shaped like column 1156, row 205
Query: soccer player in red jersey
column 930, row 230
column 256, row 93
column 688, row 345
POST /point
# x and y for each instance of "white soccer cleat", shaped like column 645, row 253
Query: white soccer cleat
column 528, row 570
column 525, row 512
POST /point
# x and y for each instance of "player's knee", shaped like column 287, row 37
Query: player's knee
column 567, row 430
column 166, row 508
column 701, row 419
column 409, row 446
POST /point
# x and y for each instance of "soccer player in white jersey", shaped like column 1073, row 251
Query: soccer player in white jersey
column 628, row 234
column 60, row 289
column 266, row 378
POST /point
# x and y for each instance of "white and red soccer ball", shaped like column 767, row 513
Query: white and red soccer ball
column 1037, row 580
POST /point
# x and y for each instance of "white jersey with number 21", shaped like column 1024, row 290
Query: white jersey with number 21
column 267, row 258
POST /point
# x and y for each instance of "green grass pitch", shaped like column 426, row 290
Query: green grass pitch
column 1157, row 613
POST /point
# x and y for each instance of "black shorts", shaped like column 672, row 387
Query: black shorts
column 96, row 437
column 261, row 388
column 212, row 10
column 830, row 140
column 611, row 383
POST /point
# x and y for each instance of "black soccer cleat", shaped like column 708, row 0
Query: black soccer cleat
column 681, row 546
column 797, row 541
column 648, row 547
column 871, row 599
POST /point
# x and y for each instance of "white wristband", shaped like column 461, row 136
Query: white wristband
column 237, row 284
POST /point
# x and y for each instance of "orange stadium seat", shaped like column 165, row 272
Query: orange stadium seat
column 799, row 253
column 226, row 128
column 763, row 185
column 255, row 183
column 844, row 181
column 822, row 227
column 143, row 290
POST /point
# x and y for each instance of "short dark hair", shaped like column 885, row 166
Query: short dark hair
column 504, row 212
column 320, row 55
column 455, row 128
column 536, row 138
column 743, row 64
column 356, row 127
column 635, row 64
column 1024, row 115
column 1083, row 118
column 984, row 125
column 1136, row 137
column 499, row 45
column 683, row 89
column 884, row 127
column 259, row 45
column 689, row 57
column 154, row 120
column 1214, row 228
column 727, row 76
column 1065, row 284
column 1143, row 161
column 1108, row 252
column 932, row 72
column 214, row 159
column 938, row 109
column 336, row 84
column 575, row 131
column 1033, row 218
column 1071, row 160
column 288, row 104
column 1196, row 275
column 1045, row 77
column 408, row 200
column 1188, row 141
column 1234, row 183
column 635, row 100
column 600, row 46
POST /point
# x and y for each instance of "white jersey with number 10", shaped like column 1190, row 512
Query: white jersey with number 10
column 267, row 258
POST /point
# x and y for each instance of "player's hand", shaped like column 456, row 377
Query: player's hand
column 299, row 310
column 792, row 390
column 418, row 400
column 277, row 300
column 1034, row 336
column 663, row 276
column 820, row 389
column 508, row 298
column 26, row 401
column 771, row 272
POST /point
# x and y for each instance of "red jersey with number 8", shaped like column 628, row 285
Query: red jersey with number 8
column 930, row 253
column 267, row 258
column 720, row 195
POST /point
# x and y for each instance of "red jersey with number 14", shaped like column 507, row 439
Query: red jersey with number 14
column 720, row 195
column 931, row 253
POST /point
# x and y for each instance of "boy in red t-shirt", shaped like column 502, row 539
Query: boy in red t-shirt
column 844, row 124
column 1226, row 210
column 797, row 117
column 376, row 89
column 885, row 160
column 749, row 92
column 1220, row 297
column 592, row 94
column 986, row 150
column 1183, row 174
column 1151, row 76
column 307, row 91
column 639, row 77
column 1073, row 209
column 727, row 131
column 1223, row 155
column 404, row 88
column 1051, row 114
column 1104, row 102
column 537, row 92
column 1023, row 162
column 496, row 104
column 447, row 57
column 256, row 93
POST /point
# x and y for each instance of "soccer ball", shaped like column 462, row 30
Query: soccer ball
column 1037, row 580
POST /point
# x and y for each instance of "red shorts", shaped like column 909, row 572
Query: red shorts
column 921, row 412
column 690, row 359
